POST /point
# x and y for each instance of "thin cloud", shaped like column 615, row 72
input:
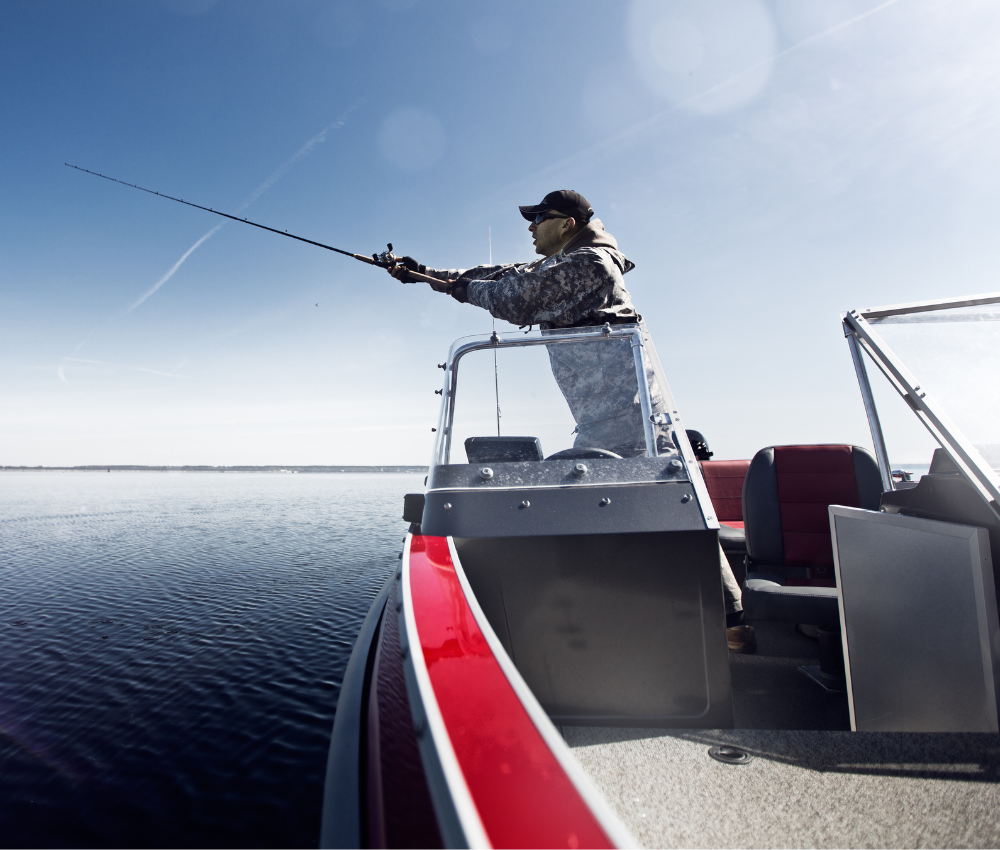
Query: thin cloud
column 60, row 371
column 158, row 372
column 636, row 130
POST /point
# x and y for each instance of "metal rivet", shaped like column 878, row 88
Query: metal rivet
column 676, row 465
column 446, row 506
column 486, row 473
column 605, row 502
column 580, row 469
column 729, row 755
column 525, row 504
column 686, row 497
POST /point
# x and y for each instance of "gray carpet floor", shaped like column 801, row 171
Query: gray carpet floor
column 810, row 782
column 801, row 789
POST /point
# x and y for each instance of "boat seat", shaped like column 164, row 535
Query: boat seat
column 790, row 577
column 724, row 480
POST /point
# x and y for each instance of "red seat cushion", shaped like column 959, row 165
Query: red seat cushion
column 724, row 479
column 810, row 479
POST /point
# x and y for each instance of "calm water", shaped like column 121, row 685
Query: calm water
column 171, row 649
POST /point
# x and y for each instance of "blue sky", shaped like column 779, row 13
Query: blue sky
column 766, row 165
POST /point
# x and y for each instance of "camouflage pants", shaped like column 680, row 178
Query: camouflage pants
column 731, row 592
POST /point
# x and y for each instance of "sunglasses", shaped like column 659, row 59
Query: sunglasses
column 542, row 216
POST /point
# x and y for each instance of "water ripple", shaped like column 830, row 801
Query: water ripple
column 173, row 647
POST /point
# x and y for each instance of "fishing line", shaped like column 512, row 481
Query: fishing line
column 496, row 373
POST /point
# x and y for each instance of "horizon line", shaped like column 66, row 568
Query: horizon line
column 275, row 467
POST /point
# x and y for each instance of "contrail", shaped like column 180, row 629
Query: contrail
column 176, row 266
column 62, row 374
column 303, row 152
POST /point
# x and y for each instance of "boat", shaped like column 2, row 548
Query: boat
column 548, row 666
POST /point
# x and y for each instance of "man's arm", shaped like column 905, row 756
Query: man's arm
column 448, row 277
column 567, row 291
column 486, row 272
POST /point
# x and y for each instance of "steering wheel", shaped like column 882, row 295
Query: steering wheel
column 583, row 453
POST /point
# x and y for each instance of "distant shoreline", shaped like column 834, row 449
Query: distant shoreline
column 285, row 469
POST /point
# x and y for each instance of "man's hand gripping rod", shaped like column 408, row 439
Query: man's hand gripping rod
column 385, row 260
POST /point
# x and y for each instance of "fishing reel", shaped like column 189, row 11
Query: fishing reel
column 386, row 259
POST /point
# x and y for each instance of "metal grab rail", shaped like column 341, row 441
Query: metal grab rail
column 881, row 454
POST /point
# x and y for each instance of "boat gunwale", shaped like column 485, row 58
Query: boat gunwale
column 599, row 807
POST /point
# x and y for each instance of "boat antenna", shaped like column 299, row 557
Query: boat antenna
column 384, row 260
column 496, row 373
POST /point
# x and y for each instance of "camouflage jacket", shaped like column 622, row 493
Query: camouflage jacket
column 578, row 287
column 581, row 285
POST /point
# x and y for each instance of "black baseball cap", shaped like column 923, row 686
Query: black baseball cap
column 565, row 201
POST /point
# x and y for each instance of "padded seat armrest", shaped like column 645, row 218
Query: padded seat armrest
column 767, row 597
column 732, row 539
column 772, row 578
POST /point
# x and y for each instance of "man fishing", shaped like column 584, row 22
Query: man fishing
column 578, row 282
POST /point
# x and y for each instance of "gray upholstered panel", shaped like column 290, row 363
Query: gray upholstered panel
column 761, row 517
column 868, row 478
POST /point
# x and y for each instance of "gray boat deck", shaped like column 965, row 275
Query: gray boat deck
column 811, row 783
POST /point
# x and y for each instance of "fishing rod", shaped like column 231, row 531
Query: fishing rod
column 385, row 260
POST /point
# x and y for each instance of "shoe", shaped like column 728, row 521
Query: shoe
column 742, row 639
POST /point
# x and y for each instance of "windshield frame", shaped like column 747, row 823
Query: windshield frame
column 559, row 336
column 862, row 337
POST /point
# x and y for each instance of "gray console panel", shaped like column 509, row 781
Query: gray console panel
column 615, row 629
column 537, row 511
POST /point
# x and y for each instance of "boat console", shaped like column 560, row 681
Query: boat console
column 638, row 475
column 597, row 565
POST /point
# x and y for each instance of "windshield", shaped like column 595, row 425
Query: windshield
column 582, row 395
column 954, row 354
column 564, row 391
